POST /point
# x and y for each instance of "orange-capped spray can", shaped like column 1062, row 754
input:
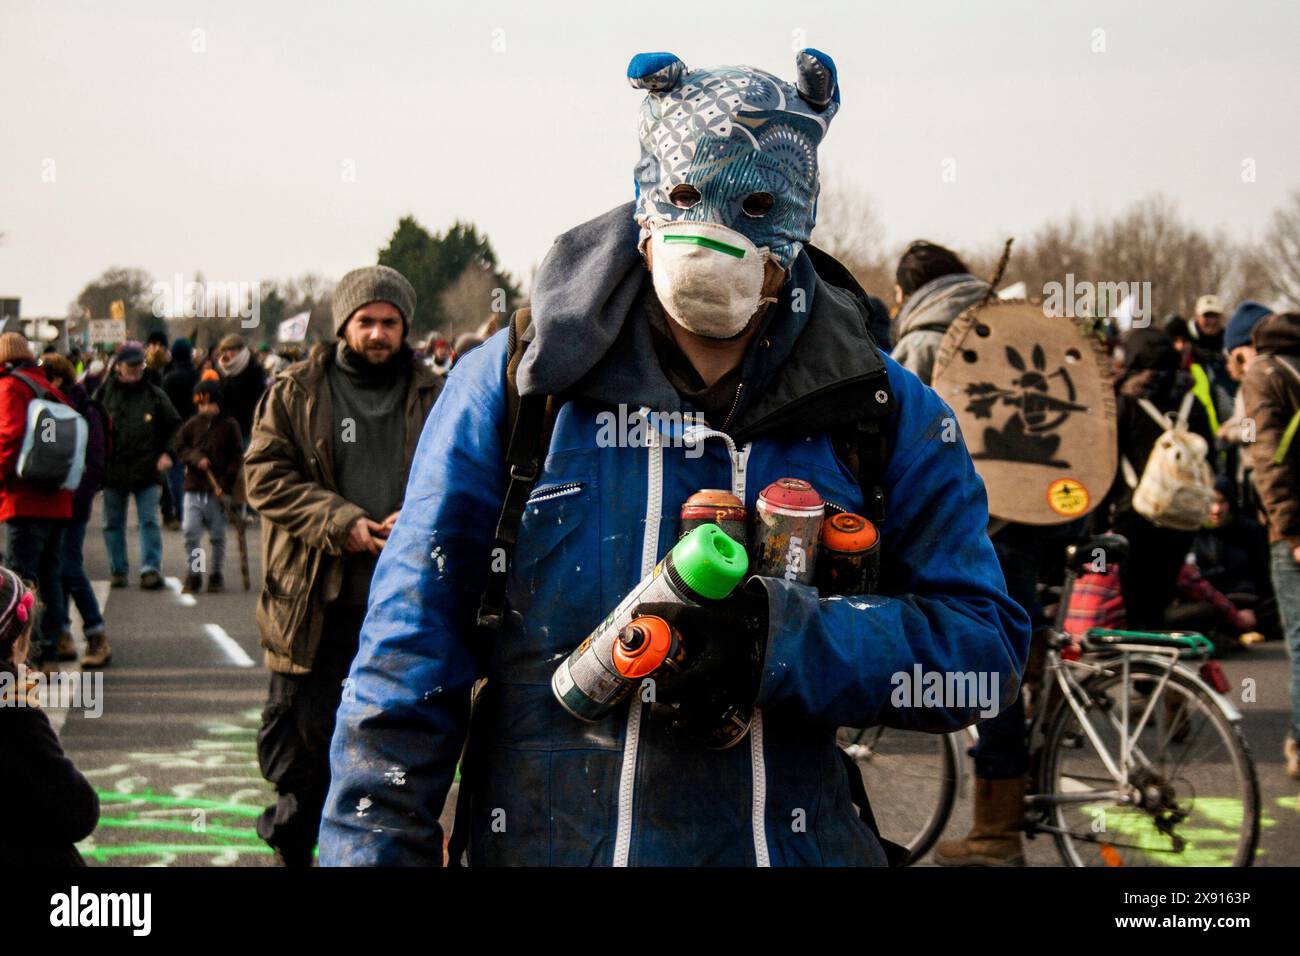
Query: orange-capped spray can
column 644, row 646
column 850, row 554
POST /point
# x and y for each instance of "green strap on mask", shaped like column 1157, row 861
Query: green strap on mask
column 708, row 243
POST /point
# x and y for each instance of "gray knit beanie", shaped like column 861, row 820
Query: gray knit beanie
column 372, row 284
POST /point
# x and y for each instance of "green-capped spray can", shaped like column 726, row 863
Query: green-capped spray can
column 704, row 566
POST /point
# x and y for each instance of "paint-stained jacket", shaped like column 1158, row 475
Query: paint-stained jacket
column 289, row 471
column 626, row 790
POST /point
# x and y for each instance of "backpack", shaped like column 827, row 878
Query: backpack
column 53, row 454
column 1096, row 600
column 1177, row 485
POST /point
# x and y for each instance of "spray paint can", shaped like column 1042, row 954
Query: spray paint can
column 713, row 505
column 703, row 567
column 646, row 645
column 850, row 555
column 787, row 526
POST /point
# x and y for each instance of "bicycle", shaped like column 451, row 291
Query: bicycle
column 1122, row 769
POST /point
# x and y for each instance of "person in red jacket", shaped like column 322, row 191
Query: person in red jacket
column 35, row 517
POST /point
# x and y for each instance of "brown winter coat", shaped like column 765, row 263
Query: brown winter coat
column 1271, row 395
column 216, row 439
column 289, row 470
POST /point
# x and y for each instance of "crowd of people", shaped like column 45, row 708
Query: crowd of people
column 167, row 426
column 423, row 532
column 159, row 419
column 1236, row 380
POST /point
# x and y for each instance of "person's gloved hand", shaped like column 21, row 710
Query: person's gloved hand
column 712, row 696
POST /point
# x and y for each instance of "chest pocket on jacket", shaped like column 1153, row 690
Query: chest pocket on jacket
column 555, row 578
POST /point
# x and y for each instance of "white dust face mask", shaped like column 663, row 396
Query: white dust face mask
column 708, row 277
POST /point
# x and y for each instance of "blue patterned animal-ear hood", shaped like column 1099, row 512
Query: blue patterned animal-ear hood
column 733, row 133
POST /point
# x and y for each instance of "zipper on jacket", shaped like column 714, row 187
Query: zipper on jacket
column 758, row 809
column 554, row 491
column 739, row 456
column 632, row 736
column 734, row 403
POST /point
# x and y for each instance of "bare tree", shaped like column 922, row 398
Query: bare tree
column 1150, row 242
column 1048, row 254
column 849, row 228
column 468, row 300
column 1280, row 253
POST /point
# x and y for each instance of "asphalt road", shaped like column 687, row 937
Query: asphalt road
column 173, row 752
column 1264, row 725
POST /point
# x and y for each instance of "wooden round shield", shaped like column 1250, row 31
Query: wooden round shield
column 1035, row 402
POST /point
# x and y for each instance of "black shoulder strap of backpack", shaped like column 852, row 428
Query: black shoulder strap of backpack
column 896, row 854
column 530, row 420
column 41, row 390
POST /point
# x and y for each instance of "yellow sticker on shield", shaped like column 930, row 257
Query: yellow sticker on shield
column 1067, row 497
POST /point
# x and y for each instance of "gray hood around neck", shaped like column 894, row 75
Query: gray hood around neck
column 921, row 324
column 582, row 344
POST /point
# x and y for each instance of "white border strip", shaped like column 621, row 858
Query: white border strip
column 228, row 644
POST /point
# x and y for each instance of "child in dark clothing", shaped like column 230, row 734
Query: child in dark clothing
column 211, row 447
column 47, row 801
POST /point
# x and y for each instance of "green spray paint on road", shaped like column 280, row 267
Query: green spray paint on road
column 207, row 819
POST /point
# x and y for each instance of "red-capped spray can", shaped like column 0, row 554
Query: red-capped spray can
column 787, row 528
column 715, row 506
column 850, row 556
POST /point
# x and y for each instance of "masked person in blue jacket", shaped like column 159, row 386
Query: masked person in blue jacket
column 730, row 354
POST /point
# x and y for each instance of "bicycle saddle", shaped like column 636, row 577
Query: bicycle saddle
column 1111, row 548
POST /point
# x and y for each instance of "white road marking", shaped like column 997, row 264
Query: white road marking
column 228, row 644
column 101, row 589
column 174, row 585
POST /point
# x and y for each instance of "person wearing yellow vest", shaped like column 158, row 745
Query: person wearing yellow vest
column 1271, row 392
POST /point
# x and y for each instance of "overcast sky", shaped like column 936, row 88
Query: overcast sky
column 257, row 140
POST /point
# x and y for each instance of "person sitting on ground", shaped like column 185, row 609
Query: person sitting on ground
column 210, row 446
column 1232, row 555
column 1199, row 606
column 47, row 802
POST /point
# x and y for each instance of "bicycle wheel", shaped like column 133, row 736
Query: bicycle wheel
column 910, row 779
column 1190, row 797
